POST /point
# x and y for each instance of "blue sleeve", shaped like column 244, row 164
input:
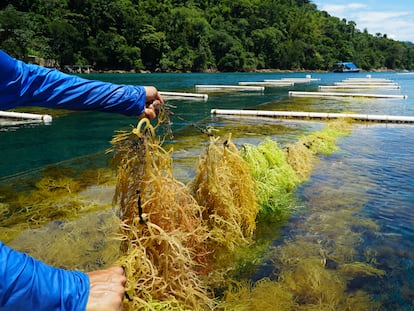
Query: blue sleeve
column 24, row 84
column 28, row 284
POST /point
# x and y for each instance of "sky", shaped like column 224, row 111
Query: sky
column 395, row 18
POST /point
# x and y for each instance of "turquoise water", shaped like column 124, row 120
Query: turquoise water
column 372, row 172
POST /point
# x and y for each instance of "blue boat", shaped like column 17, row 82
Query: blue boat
column 345, row 67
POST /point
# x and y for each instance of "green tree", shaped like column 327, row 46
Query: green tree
column 64, row 40
column 152, row 43
column 15, row 32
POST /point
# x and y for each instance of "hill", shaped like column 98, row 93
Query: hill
column 193, row 35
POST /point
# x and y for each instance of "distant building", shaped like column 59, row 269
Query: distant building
column 77, row 68
column 44, row 62
column 53, row 63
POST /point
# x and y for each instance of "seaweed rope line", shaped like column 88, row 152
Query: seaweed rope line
column 7, row 178
column 203, row 130
column 143, row 131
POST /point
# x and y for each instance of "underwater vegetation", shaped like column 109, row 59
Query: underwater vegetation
column 314, row 271
column 311, row 270
column 79, row 244
column 54, row 197
column 278, row 171
column 302, row 154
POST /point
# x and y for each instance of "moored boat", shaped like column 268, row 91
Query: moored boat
column 345, row 67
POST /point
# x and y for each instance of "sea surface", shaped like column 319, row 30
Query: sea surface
column 371, row 174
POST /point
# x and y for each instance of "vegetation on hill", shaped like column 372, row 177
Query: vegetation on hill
column 193, row 35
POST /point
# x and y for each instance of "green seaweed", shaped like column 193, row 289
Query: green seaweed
column 275, row 179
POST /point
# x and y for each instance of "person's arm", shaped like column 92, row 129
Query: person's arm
column 24, row 84
column 28, row 284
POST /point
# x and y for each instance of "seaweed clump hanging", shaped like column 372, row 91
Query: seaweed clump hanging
column 163, row 235
column 224, row 186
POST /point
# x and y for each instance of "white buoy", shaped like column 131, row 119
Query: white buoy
column 365, row 83
column 275, row 83
column 368, row 80
column 178, row 95
column 298, row 80
column 338, row 94
column 220, row 88
column 295, row 80
column 26, row 116
column 358, row 86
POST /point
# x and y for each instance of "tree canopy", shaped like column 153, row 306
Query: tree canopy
column 193, row 35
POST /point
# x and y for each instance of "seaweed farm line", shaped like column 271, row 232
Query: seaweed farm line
column 338, row 94
column 315, row 115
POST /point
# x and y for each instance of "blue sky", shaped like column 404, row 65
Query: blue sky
column 392, row 17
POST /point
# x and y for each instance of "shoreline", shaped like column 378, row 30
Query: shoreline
column 115, row 71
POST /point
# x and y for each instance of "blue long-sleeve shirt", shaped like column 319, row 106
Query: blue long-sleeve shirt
column 25, row 283
column 24, row 84
column 28, row 284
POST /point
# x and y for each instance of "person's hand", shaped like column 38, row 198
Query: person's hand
column 107, row 289
column 152, row 103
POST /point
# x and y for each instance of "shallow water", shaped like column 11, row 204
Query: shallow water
column 373, row 170
column 371, row 175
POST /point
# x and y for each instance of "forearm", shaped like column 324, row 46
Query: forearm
column 28, row 284
column 31, row 85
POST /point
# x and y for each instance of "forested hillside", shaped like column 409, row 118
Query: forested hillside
column 193, row 35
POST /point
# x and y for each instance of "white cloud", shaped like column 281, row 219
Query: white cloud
column 397, row 24
column 340, row 10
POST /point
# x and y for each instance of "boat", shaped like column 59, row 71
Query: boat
column 345, row 67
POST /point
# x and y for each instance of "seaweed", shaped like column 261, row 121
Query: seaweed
column 304, row 153
column 274, row 177
column 163, row 237
column 52, row 198
column 223, row 184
